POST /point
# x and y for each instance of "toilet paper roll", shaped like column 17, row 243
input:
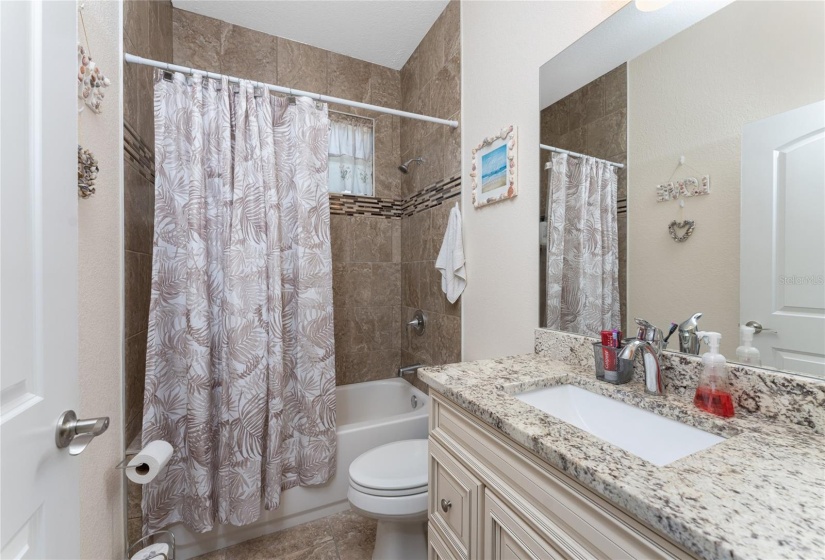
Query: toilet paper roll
column 146, row 465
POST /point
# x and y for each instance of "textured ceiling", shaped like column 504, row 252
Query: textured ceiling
column 384, row 32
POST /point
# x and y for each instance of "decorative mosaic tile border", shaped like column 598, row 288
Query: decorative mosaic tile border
column 136, row 151
column 434, row 195
column 769, row 395
column 431, row 196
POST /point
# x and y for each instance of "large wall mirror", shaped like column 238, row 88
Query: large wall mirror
column 683, row 172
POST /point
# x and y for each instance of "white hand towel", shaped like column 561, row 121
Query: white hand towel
column 450, row 261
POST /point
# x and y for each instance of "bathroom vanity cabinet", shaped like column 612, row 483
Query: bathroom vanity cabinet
column 490, row 498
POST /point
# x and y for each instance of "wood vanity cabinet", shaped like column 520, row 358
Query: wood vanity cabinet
column 490, row 498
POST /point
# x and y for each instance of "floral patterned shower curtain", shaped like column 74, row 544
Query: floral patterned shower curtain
column 582, row 246
column 240, row 372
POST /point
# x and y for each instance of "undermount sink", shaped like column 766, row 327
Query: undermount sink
column 649, row 436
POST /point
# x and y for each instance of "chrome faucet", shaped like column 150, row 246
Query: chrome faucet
column 649, row 340
column 688, row 337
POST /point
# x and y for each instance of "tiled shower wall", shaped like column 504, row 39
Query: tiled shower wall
column 430, row 84
column 147, row 32
column 592, row 120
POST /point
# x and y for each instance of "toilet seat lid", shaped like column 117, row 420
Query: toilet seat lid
column 400, row 465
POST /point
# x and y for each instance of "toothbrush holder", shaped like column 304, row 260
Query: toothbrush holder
column 618, row 370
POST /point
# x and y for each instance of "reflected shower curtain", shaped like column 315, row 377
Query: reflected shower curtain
column 582, row 246
column 240, row 374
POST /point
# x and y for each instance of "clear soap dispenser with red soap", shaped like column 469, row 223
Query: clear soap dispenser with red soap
column 713, row 393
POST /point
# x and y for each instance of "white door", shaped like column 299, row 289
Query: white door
column 39, row 483
column 783, row 238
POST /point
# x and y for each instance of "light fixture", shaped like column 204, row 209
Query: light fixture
column 651, row 5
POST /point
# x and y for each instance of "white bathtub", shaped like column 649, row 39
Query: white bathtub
column 368, row 414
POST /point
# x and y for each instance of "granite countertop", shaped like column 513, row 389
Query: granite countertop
column 758, row 494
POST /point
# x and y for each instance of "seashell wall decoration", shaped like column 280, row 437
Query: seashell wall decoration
column 90, row 80
column 87, row 169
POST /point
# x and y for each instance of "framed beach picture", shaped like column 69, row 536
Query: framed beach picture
column 493, row 169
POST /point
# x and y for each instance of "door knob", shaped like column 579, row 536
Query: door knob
column 77, row 434
column 758, row 328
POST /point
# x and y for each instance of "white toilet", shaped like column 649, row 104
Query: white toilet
column 389, row 483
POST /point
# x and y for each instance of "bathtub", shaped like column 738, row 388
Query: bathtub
column 369, row 414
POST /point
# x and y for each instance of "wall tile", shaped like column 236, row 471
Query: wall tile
column 369, row 329
column 137, row 22
column 340, row 237
column 340, row 321
column 160, row 34
column 573, row 140
column 446, row 89
column 607, row 136
column 396, row 241
column 347, row 77
column 450, row 21
column 138, row 283
column 387, row 158
column 196, row 41
column 134, row 106
column 410, row 85
column 585, row 105
column 135, row 375
column 384, row 87
column 410, row 285
column 429, row 286
column 351, row 284
column 357, row 367
column 302, row 66
column 385, row 284
column 614, row 84
column 138, row 211
column 370, row 239
column 248, row 54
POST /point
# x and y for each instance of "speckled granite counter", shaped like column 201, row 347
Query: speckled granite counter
column 760, row 494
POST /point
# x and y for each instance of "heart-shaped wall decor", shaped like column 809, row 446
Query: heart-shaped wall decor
column 687, row 225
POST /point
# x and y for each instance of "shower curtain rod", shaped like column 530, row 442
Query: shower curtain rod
column 296, row 92
column 559, row 150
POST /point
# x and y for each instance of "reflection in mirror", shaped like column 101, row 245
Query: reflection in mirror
column 683, row 161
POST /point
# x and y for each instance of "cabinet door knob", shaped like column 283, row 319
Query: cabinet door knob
column 445, row 505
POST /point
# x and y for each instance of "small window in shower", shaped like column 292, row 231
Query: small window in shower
column 351, row 151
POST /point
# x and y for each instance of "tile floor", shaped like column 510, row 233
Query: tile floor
column 342, row 536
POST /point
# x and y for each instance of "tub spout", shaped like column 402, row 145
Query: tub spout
column 402, row 371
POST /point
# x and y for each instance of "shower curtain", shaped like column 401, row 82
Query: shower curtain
column 582, row 246
column 240, row 372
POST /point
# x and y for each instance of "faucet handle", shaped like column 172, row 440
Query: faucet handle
column 648, row 331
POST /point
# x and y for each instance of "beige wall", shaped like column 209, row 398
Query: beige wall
column 503, row 46
column 100, row 278
column 746, row 62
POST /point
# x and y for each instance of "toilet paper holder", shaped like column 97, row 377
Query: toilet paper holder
column 123, row 464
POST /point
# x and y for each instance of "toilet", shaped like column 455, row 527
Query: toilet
column 389, row 483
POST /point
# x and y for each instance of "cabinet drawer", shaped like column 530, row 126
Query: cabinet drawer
column 508, row 537
column 437, row 549
column 454, row 500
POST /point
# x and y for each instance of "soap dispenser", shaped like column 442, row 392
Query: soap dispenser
column 746, row 353
column 713, row 392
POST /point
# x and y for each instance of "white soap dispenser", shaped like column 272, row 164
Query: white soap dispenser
column 746, row 353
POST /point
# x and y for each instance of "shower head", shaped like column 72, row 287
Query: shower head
column 405, row 167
